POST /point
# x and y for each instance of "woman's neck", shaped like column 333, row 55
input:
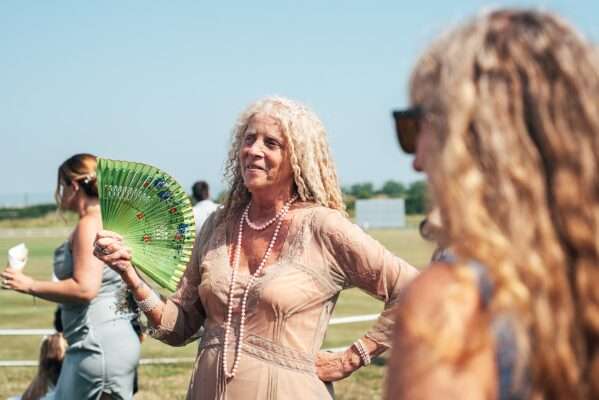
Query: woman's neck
column 87, row 205
column 266, row 205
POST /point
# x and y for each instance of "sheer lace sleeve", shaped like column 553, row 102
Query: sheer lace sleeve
column 356, row 259
column 183, row 314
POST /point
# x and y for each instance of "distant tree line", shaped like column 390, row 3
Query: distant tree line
column 36, row 211
column 414, row 194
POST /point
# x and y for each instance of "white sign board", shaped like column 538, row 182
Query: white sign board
column 381, row 213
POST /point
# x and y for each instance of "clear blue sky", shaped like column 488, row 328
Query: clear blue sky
column 162, row 82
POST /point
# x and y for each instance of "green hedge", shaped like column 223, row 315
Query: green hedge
column 26, row 212
column 414, row 194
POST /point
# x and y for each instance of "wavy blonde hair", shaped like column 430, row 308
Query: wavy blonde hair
column 314, row 172
column 513, row 100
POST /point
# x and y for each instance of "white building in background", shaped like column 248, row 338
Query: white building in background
column 381, row 213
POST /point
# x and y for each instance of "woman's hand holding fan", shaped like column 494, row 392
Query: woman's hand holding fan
column 109, row 248
column 148, row 219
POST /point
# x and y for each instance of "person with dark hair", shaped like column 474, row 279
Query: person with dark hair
column 204, row 206
column 103, row 350
column 505, row 124
column 58, row 319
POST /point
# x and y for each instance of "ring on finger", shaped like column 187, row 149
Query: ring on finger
column 102, row 250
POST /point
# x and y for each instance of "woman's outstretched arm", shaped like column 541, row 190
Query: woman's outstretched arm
column 83, row 286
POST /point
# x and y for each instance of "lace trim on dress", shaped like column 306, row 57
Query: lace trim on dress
column 263, row 349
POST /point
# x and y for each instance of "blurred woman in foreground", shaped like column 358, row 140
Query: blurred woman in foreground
column 506, row 112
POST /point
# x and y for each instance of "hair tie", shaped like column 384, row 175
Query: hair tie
column 88, row 178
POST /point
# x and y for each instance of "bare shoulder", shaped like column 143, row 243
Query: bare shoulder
column 435, row 319
column 442, row 295
column 86, row 228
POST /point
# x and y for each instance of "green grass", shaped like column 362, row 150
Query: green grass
column 170, row 381
column 50, row 220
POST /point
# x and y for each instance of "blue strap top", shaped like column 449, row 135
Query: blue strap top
column 511, row 387
column 78, row 317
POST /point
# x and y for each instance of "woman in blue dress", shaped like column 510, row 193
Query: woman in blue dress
column 103, row 350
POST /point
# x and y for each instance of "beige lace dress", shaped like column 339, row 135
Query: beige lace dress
column 289, row 306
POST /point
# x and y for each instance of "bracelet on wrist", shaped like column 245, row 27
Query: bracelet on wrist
column 151, row 302
column 362, row 352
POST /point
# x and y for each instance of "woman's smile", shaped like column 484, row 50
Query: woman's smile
column 263, row 156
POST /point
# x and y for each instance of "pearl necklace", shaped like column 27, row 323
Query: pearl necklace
column 270, row 221
column 236, row 259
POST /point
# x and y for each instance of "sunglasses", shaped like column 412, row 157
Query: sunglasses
column 407, row 126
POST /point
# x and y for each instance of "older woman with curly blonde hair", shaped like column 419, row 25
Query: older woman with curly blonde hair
column 508, row 113
column 268, row 268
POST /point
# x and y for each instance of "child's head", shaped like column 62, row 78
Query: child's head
column 51, row 355
column 52, row 351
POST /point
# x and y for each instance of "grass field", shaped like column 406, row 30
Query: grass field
column 170, row 381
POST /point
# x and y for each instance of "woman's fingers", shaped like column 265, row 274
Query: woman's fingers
column 7, row 277
column 121, row 266
column 8, row 273
column 105, row 234
column 112, row 253
column 122, row 254
column 121, row 262
column 108, row 245
column 329, row 366
column 16, row 280
column 107, row 241
column 109, row 248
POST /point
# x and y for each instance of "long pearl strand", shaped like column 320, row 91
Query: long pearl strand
column 236, row 260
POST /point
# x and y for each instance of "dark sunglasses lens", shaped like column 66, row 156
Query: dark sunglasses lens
column 406, row 127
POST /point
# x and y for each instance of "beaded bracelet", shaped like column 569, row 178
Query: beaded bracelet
column 359, row 345
column 149, row 303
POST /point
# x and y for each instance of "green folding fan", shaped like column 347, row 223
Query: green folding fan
column 152, row 213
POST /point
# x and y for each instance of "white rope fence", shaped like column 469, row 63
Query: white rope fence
column 26, row 332
column 157, row 360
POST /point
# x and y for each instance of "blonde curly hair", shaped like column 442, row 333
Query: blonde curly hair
column 314, row 171
column 513, row 100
